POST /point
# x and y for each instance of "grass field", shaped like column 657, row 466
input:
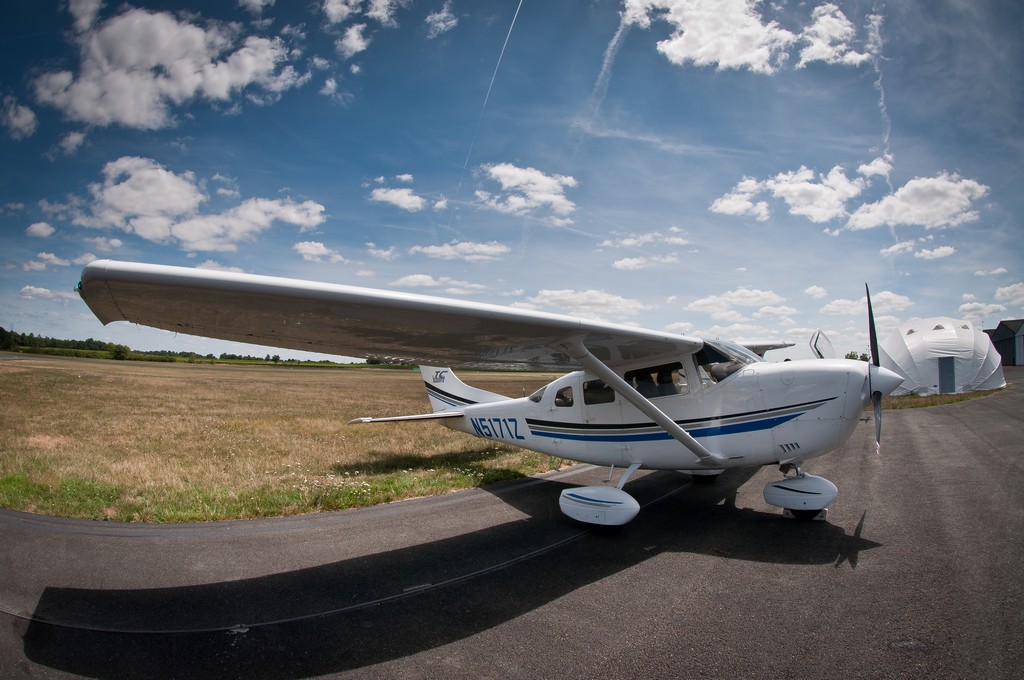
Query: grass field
column 179, row 442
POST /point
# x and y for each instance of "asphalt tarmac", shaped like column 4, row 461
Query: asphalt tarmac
column 916, row 573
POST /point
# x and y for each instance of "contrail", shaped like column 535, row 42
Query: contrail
column 874, row 46
column 483, row 108
column 490, row 87
column 597, row 95
column 874, row 25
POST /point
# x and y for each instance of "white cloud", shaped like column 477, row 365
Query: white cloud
column 464, row 250
column 337, row 11
column 139, row 64
column 105, row 244
column 382, row 253
column 40, row 230
column 776, row 310
column 217, row 266
column 816, row 292
column 740, row 201
column 881, row 166
column 991, row 272
column 405, row 178
column 935, row 253
column 977, row 311
column 898, row 249
column 632, row 240
column 384, row 11
column 51, row 259
column 828, row 39
column 590, row 304
column 329, row 88
column 441, row 21
column 84, row 13
column 223, row 231
column 71, row 142
column 631, row 263
column 818, row 199
column 314, row 251
column 353, row 41
column 403, row 198
column 1012, row 295
column 729, row 34
column 440, row 204
column 37, row 293
column 722, row 307
column 255, row 6
column 528, row 191
column 19, row 120
column 883, row 302
column 444, row 284
column 141, row 197
column 416, row 281
column 637, row 263
column 930, row 202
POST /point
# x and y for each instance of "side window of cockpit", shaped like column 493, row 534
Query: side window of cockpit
column 563, row 397
column 659, row 381
column 671, row 380
column 717, row 361
column 597, row 392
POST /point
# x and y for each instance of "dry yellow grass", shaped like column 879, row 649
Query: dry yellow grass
column 179, row 442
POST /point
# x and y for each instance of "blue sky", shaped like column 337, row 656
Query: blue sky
column 723, row 168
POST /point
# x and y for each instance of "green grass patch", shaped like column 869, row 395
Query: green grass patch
column 67, row 498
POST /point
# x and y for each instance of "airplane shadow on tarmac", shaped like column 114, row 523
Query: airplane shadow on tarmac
column 380, row 607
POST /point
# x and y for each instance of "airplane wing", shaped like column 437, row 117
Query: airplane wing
column 353, row 321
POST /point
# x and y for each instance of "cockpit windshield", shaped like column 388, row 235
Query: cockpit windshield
column 720, row 358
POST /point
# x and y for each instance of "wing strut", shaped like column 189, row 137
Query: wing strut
column 580, row 353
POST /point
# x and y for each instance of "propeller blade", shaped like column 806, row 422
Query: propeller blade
column 872, row 334
column 876, row 402
column 876, row 397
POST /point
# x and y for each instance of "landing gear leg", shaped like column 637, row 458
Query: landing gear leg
column 626, row 475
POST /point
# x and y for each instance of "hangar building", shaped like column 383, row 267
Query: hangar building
column 1008, row 337
column 942, row 355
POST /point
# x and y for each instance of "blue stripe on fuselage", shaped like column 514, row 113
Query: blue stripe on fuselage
column 661, row 435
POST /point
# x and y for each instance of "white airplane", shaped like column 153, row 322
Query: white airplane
column 635, row 399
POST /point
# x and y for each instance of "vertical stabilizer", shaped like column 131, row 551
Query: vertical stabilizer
column 448, row 393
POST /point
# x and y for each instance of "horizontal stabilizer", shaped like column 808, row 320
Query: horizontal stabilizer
column 395, row 419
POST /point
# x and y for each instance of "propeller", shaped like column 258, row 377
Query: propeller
column 876, row 396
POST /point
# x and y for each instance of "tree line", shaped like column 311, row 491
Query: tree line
column 13, row 341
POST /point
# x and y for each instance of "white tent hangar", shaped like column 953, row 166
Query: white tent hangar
column 942, row 355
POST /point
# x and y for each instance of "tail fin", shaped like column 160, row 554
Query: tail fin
column 448, row 393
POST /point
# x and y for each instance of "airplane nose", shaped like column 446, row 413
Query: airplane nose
column 884, row 380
